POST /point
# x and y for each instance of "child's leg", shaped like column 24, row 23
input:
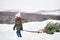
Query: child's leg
column 18, row 33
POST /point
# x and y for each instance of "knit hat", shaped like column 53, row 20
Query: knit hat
column 18, row 15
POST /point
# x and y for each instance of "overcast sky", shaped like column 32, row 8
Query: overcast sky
column 29, row 5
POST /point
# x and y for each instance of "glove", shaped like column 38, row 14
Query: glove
column 13, row 28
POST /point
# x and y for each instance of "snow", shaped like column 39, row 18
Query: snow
column 18, row 14
column 7, row 33
column 50, row 13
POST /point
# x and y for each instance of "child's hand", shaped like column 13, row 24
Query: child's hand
column 13, row 28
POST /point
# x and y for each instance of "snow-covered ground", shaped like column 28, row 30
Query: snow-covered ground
column 7, row 33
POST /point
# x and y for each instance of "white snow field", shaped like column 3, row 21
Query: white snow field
column 7, row 32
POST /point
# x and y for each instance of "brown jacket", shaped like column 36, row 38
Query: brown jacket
column 18, row 24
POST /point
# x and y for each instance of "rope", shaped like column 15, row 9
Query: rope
column 32, row 31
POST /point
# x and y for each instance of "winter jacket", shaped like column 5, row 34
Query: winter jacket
column 18, row 24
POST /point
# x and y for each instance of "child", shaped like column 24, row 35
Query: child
column 18, row 25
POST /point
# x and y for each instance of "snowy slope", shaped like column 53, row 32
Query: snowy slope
column 7, row 33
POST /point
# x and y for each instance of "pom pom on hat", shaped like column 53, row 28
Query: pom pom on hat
column 18, row 15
